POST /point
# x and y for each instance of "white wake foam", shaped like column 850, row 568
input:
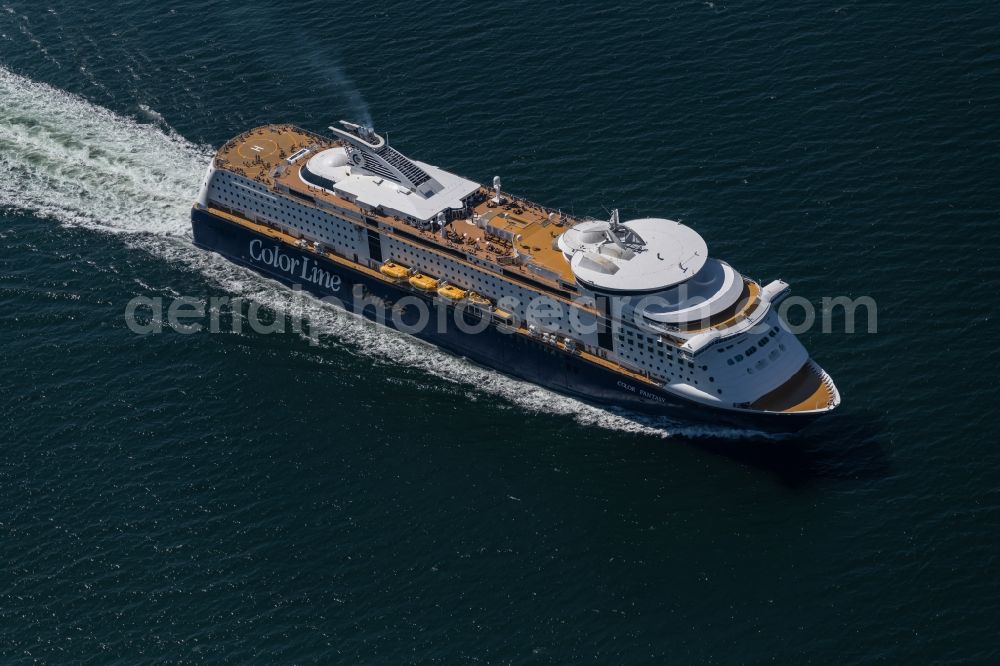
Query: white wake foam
column 64, row 158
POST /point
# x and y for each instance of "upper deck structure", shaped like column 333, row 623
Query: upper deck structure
column 432, row 202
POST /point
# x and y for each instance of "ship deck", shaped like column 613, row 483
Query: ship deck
column 261, row 154
column 737, row 312
column 805, row 391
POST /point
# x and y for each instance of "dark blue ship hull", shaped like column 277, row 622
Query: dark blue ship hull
column 518, row 355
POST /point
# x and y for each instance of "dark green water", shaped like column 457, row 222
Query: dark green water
column 254, row 498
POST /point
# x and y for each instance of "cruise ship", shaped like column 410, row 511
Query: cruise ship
column 632, row 314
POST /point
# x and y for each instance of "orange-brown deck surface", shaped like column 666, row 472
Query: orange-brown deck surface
column 803, row 392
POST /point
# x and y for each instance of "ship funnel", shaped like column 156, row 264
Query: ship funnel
column 364, row 132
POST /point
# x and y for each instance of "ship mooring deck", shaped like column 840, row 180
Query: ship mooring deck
column 805, row 391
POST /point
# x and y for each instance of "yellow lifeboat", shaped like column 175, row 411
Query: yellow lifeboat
column 451, row 292
column 476, row 299
column 393, row 270
column 503, row 316
column 425, row 282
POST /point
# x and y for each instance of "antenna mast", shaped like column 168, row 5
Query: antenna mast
column 624, row 235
